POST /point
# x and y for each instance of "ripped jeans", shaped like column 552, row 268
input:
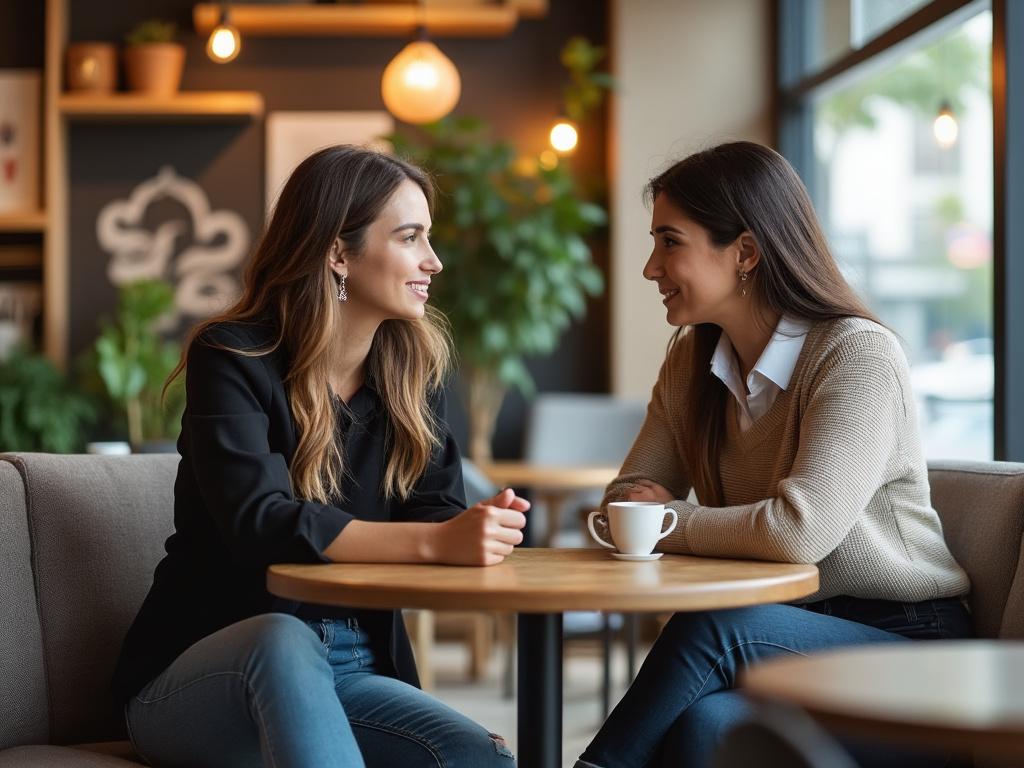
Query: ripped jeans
column 273, row 690
column 683, row 700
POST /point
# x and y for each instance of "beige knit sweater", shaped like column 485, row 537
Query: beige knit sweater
column 832, row 474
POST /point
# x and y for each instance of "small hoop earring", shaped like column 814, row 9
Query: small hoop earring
column 342, row 292
column 744, row 276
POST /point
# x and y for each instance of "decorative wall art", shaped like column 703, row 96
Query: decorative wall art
column 294, row 136
column 19, row 140
column 199, row 252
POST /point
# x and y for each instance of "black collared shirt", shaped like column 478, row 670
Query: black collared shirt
column 235, row 512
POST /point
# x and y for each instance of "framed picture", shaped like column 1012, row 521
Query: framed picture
column 20, row 122
column 294, row 136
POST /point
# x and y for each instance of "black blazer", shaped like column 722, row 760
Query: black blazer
column 235, row 513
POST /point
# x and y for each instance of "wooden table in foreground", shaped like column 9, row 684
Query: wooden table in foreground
column 551, row 485
column 961, row 695
column 539, row 584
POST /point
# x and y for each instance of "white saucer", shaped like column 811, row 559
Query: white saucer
column 636, row 558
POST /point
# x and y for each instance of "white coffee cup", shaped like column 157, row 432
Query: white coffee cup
column 635, row 525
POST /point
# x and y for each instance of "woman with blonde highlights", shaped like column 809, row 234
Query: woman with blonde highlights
column 313, row 432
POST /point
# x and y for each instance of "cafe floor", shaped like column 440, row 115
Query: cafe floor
column 483, row 700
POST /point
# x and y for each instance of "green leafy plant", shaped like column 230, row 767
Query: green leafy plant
column 586, row 88
column 39, row 410
column 134, row 360
column 152, row 31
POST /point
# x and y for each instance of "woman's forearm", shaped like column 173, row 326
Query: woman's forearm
column 366, row 542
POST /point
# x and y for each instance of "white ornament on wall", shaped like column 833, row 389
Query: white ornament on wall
column 203, row 270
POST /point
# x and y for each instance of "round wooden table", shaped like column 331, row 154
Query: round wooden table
column 961, row 695
column 551, row 485
column 540, row 584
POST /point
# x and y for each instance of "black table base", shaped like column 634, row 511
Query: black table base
column 539, row 695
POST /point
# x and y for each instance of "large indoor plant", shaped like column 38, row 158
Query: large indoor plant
column 133, row 360
column 518, row 268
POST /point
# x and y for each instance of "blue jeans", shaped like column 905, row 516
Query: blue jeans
column 274, row 690
column 684, row 699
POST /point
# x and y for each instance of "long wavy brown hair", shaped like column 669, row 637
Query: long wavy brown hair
column 746, row 187
column 335, row 193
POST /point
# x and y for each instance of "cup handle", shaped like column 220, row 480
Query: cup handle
column 675, row 520
column 593, row 533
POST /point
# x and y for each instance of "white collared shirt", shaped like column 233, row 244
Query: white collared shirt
column 769, row 376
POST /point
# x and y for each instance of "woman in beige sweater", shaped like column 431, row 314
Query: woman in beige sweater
column 787, row 407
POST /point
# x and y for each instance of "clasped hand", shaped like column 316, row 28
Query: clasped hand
column 484, row 534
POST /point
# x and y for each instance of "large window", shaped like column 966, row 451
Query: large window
column 909, row 212
column 902, row 117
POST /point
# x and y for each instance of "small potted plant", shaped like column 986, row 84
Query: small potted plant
column 133, row 360
column 153, row 61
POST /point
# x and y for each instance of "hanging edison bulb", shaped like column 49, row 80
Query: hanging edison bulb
column 945, row 126
column 564, row 136
column 224, row 42
column 421, row 84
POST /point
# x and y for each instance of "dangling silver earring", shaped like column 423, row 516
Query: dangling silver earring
column 744, row 276
column 342, row 293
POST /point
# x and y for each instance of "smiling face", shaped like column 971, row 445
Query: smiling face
column 697, row 279
column 390, row 279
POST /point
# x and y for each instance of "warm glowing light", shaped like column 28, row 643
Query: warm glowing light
column 548, row 160
column 224, row 43
column 564, row 136
column 945, row 126
column 421, row 84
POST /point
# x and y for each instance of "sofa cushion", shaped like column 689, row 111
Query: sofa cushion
column 60, row 757
column 23, row 710
column 981, row 505
column 97, row 526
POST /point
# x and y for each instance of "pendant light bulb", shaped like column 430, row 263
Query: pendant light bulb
column 421, row 84
column 564, row 137
column 225, row 42
column 945, row 126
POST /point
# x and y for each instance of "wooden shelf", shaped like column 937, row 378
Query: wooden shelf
column 31, row 221
column 382, row 20
column 20, row 257
column 184, row 106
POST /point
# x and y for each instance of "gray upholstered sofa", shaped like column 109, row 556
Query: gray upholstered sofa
column 80, row 536
column 79, row 539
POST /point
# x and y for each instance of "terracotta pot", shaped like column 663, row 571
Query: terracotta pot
column 154, row 68
column 92, row 67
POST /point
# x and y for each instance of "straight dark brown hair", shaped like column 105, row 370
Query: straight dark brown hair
column 728, row 190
